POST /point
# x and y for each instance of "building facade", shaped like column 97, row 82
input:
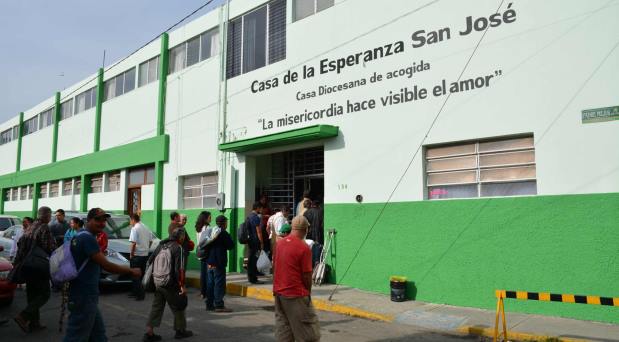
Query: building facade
column 467, row 145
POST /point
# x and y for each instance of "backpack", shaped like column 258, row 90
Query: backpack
column 62, row 265
column 242, row 233
column 162, row 268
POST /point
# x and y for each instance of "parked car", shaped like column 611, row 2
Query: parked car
column 7, row 289
column 6, row 239
column 117, row 229
column 7, row 221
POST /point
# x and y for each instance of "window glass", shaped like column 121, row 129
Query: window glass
column 46, row 118
column 14, row 194
column 509, row 189
column 136, row 177
column 277, row 31
column 323, row 4
column 43, row 190
column 303, row 8
column 96, row 183
column 254, row 39
column 67, row 187
column 31, row 125
column 109, row 91
column 54, row 188
column 23, row 193
column 143, row 74
column 452, row 191
column 120, row 81
column 150, row 175
column 6, row 136
column 153, row 69
column 114, row 181
column 66, row 109
column 233, row 58
column 178, row 56
column 129, row 80
column 200, row 191
column 193, row 51
column 78, row 186
column 209, row 44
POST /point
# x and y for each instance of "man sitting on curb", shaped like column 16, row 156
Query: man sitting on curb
column 295, row 318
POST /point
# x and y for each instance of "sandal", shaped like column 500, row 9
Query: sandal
column 22, row 323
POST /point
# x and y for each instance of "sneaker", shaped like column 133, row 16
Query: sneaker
column 151, row 338
column 23, row 324
column 183, row 334
column 223, row 309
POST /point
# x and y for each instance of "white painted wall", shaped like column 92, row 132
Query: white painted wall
column 9, row 157
column 546, row 56
column 112, row 200
column 36, row 149
column 76, row 135
column 71, row 202
column 148, row 197
column 25, row 205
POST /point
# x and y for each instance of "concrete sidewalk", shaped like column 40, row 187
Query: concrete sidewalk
column 435, row 317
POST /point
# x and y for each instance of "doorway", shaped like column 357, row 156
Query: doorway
column 134, row 203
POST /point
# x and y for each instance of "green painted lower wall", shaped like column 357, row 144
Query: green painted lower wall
column 459, row 251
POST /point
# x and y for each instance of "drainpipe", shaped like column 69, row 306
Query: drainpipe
column 164, row 60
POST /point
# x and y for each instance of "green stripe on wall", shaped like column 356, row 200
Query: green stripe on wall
column 459, row 251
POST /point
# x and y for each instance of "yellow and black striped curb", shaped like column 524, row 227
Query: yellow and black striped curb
column 554, row 297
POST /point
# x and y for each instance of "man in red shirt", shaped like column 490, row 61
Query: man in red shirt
column 295, row 318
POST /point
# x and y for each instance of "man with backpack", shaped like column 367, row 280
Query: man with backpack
column 249, row 234
column 85, row 320
column 168, row 278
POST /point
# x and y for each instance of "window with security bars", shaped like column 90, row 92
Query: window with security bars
column 66, row 109
column 200, row 191
column 148, row 71
column 23, row 192
column 86, row 100
column 67, row 187
column 77, row 188
column 14, row 194
column 46, row 118
column 119, row 85
column 194, row 50
column 113, row 181
column 96, row 183
column 305, row 8
column 31, row 125
column 6, row 136
column 256, row 39
column 43, row 191
column 54, row 189
column 504, row 167
column 7, row 195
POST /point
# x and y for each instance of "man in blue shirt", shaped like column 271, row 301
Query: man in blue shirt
column 217, row 260
column 254, row 246
column 85, row 320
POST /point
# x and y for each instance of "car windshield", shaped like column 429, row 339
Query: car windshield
column 5, row 223
column 118, row 227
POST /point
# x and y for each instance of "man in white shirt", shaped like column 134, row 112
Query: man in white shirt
column 274, row 226
column 140, row 239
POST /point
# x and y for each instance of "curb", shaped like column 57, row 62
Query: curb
column 236, row 289
column 240, row 290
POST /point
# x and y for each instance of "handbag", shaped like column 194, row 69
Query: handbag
column 36, row 264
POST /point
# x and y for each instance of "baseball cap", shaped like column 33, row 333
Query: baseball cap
column 285, row 228
column 96, row 213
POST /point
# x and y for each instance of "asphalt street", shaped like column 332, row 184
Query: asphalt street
column 252, row 320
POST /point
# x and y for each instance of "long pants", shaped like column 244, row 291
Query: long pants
column 37, row 294
column 252, row 268
column 138, row 262
column 215, row 287
column 203, row 275
column 169, row 295
column 295, row 320
column 85, row 320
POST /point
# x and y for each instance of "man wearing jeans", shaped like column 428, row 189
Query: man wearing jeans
column 295, row 318
column 140, row 239
column 85, row 320
column 217, row 260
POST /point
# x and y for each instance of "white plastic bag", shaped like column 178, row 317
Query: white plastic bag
column 263, row 264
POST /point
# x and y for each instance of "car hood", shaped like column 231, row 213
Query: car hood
column 123, row 246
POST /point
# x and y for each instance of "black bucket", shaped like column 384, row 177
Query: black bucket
column 398, row 290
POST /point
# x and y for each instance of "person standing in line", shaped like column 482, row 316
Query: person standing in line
column 37, row 286
column 295, row 317
column 173, row 291
column 266, row 213
column 26, row 224
column 140, row 238
column 299, row 208
column 76, row 225
column 85, row 321
column 202, row 224
column 176, row 221
column 276, row 223
column 59, row 227
column 217, row 261
column 254, row 245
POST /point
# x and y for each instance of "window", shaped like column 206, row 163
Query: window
column 305, row 8
column 119, row 85
column 66, row 109
column 503, row 167
column 114, row 181
column 141, row 176
column 14, row 194
column 7, row 195
column 43, row 189
column 78, row 186
column 194, row 50
column 248, row 37
column 46, row 118
column 96, row 183
column 86, row 100
column 31, row 125
column 6, row 136
column 67, row 187
column 23, row 192
column 54, row 188
column 148, row 71
column 200, row 191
